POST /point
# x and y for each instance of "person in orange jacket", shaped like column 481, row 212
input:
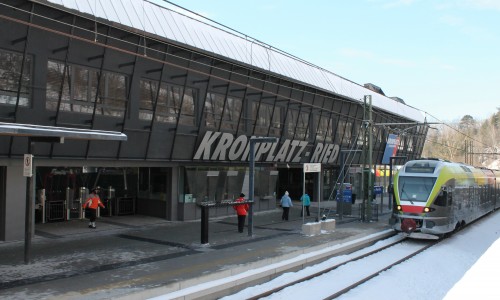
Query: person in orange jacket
column 90, row 206
column 241, row 211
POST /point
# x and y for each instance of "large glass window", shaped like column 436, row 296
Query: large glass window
column 220, row 184
column 213, row 184
column 80, row 89
column 347, row 139
column 291, row 120
column 265, row 184
column 171, row 102
column 302, row 128
column 11, row 81
column 267, row 119
column 232, row 112
column 324, row 130
column 153, row 183
column 222, row 115
column 277, row 123
column 214, row 104
column 341, row 130
column 262, row 114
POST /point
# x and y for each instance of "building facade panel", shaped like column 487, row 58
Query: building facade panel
column 188, row 113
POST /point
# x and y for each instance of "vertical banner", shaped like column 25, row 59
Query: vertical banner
column 390, row 148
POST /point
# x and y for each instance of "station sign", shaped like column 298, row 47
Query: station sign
column 312, row 168
column 223, row 146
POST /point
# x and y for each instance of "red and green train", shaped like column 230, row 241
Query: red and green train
column 433, row 197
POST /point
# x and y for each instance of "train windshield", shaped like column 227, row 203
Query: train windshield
column 415, row 188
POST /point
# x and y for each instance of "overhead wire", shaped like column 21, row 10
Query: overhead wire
column 429, row 139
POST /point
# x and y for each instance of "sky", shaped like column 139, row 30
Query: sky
column 464, row 266
column 440, row 57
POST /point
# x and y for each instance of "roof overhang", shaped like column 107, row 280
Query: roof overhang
column 61, row 133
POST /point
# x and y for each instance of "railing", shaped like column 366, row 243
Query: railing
column 55, row 210
column 125, row 206
column 373, row 214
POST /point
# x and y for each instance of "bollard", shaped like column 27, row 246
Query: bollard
column 311, row 228
column 328, row 225
column 204, row 225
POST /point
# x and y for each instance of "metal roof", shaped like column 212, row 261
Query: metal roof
column 16, row 129
column 167, row 23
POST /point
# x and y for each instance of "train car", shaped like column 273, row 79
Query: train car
column 434, row 197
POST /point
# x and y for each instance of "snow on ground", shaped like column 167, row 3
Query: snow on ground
column 436, row 273
column 481, row 280
column 494, row 165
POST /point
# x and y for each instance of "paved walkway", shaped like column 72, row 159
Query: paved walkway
column 127, row 255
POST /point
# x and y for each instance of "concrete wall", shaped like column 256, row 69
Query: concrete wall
column 15, row 203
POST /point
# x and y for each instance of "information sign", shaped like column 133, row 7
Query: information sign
column 28, row 165
column 312, row 168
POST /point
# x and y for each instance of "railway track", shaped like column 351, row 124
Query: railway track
column 339, row 275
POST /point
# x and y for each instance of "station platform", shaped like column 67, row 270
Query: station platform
column 136, row 257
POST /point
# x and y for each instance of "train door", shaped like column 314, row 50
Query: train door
column 449, row 201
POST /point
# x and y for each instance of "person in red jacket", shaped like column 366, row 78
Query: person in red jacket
column 90, row 206
column 241, row 211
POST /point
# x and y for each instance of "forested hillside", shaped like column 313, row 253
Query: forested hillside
column 469, row 141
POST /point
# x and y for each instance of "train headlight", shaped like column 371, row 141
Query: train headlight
column 399, row 208
column 428, row 209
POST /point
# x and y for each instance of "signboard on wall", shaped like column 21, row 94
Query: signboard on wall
column 28, row 165
column 312, row 168
column 223, row 146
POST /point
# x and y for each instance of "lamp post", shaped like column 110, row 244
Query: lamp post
column 367, row 158
column 391, row 159
column 253, row 141
column 342, row 175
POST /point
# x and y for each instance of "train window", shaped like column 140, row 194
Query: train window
column 421, row 167
column 441, row 199
column 415, row 188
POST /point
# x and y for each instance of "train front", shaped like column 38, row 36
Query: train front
column 419, row 209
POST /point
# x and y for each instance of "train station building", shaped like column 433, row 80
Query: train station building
column 188, row 95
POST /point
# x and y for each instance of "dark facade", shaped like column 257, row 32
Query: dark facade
column 188, row 115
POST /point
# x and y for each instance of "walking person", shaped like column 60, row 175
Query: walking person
column 306, row 202
column 286, row 203
column 90, row 206
column 241, row 211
